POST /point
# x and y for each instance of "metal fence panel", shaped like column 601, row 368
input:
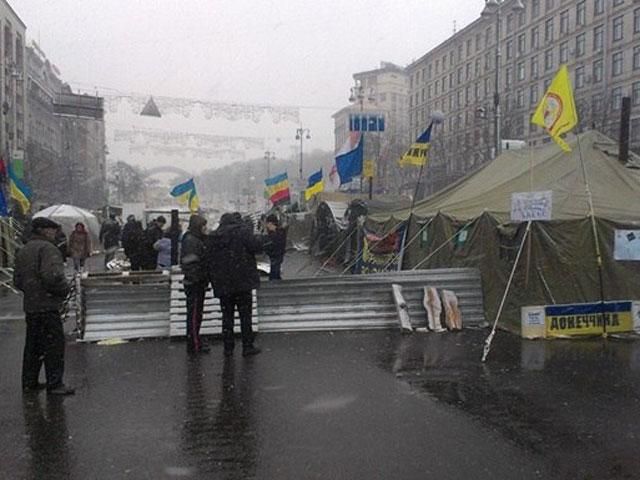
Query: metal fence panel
column 362, row 301
column 123, row 305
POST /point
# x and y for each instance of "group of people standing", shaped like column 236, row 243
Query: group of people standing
column 226, row 259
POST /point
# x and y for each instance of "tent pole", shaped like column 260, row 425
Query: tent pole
column 596, row 242
column 528, row 264
column 487, row 342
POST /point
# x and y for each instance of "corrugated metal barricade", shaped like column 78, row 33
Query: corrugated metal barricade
column 362, row 301
column 212, row 321
column 124, row 305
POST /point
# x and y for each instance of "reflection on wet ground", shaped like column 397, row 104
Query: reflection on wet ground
column 572, row 402
column 330, row 405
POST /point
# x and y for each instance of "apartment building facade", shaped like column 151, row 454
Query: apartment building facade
column 599, row 40
column 385, row 92
column 12, row 92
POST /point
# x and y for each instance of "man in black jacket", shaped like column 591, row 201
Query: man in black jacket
column 39, row 274
column 131, row 242
column 153, row 233
column 234, row 274
column 192, row 261
column 275, row 246
column 110, row 238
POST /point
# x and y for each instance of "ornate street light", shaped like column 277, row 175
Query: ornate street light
column 302, row 134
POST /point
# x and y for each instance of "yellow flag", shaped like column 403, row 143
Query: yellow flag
column 556, row 112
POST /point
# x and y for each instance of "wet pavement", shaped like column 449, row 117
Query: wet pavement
column 343, row 405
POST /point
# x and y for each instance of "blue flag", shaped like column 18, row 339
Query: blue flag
column 4, row 212
column 349, row 162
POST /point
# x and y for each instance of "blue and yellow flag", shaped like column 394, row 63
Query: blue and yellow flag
column 417, row 153
column 186, row 193
column 19, row 191
column 556, row 112
column 315, row 186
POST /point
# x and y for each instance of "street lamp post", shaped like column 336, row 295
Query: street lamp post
column 269, row 156
column 359, row 94
column 301, row 134
column 494, row 8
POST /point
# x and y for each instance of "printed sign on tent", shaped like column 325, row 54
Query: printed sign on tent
column 527, row 206
column 627, row 245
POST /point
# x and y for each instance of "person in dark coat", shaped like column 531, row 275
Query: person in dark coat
column 275, row 246
column 151, row 235
column 110, row 238
column 131, row 240
column 39, row 274
column 234, row 274
column 194, row 268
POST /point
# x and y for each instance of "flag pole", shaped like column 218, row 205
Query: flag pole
column 596, row 241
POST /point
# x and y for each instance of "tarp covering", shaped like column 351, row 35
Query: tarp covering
column 558, row 263
column 69, row 215
column 615, row 188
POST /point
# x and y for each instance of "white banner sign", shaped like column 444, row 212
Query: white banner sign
column 627, row 245
column 527, row 206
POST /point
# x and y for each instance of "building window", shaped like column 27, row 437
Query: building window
column 548, row 59
column 548, row 30
column 487, row 37
column 508, row 76
column 636, row 58
column 522, row 43
column 636, row 20
column 477, row 69
column 487, row 86
column 520, row 70
column 564, row 52
column 564, row 22
column 467, row 71
column 579, row 77
column 598, row 7
column 535, row 38
column 520, row 98
column 581, row 9
column 510, row 23
column 478, row 42
column 549, row 4
column 616, row 64
column 618, row 28
column 509, row 49
column 429, row 72
column 598, row 71
column 487, row 62
column 436, row 87
column 476, row 91
column 451, row 59
column 521, row 19
column 467, row 95
column 617, row 3
column 598, row 38
column 459, row 79
column 635, row 93
column 534, row 66
column 535, row 8
column 580, row 44
column 533, row 95
column 616, row 98
column 437, row 67
column 468, row 47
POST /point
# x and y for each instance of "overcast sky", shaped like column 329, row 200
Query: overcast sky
column 280, row 52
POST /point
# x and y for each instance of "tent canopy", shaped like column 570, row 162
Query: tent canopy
column 69, row 215
column 614, row 186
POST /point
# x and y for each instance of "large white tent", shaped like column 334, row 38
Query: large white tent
column 69, row 215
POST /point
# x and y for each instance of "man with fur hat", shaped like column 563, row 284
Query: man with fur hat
column 39, row 274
